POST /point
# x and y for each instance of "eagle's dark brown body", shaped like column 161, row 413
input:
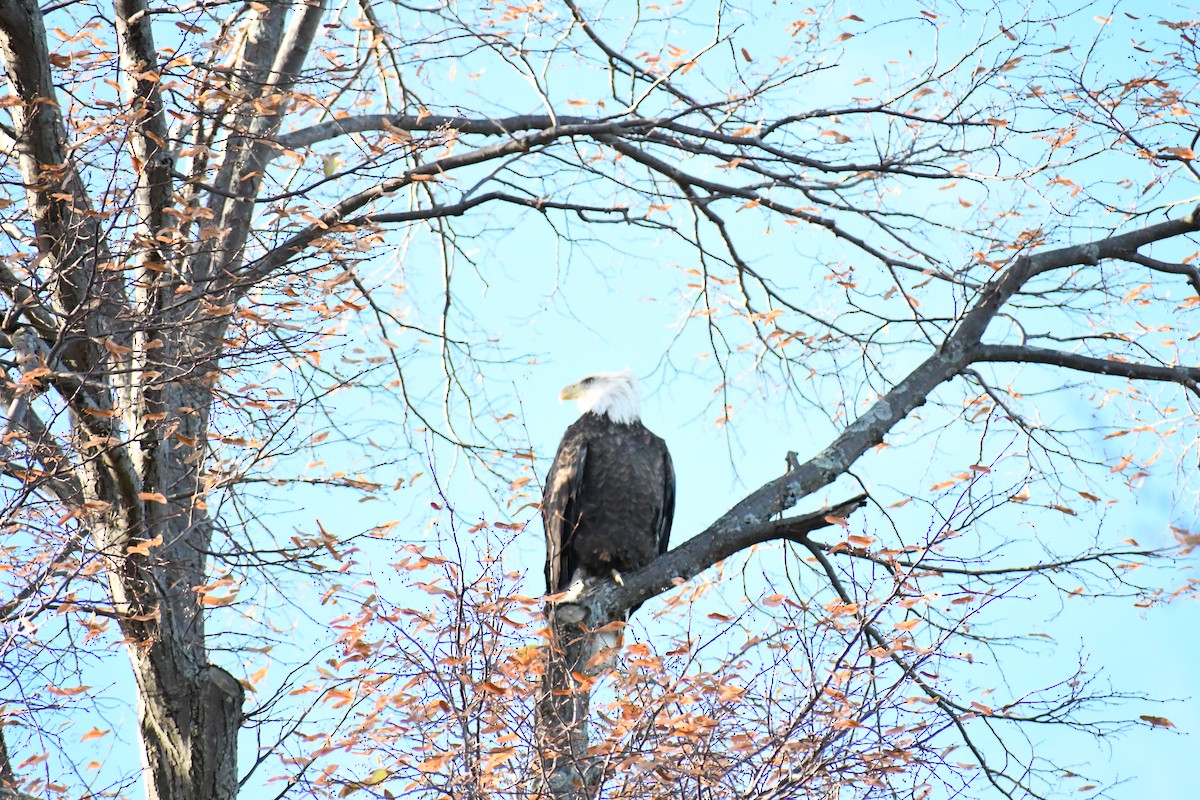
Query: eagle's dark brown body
column 609, row 501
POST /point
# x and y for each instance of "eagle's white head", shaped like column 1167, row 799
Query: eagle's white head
column 611, row 393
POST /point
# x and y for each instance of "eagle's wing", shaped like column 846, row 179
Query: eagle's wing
column 561, row 509
column 662, row 528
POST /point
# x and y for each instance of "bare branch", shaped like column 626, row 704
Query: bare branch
column 1184, row 376
column 1188, row 270
column 505, row 126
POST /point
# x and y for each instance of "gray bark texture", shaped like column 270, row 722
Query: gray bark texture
column 563, row 710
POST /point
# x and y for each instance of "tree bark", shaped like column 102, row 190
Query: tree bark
column 189, row 717
column 563, row 709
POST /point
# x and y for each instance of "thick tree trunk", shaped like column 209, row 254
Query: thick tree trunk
column 136, row 367
column 189, row 710
column 190, row 716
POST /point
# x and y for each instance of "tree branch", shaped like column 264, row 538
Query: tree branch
column 243, row 167
column 1187, row 270
column 504, row 126
column 261, row 268
column 1184, row 376
column 689, row 559
column 958, row 351
column 66, row 228
column 139, row 72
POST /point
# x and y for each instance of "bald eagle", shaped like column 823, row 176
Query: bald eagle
column 610, row 493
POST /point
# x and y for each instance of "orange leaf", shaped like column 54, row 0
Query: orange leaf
column 94, row 733
column 1157, row 722
column 1125, row 462
column 1135, row 293
column 143, row 548
column 907, row 625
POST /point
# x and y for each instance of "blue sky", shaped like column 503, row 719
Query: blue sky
column 604, row 308
column 562, row 308
column 571, row 307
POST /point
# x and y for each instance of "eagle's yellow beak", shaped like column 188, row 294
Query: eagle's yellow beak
column 571, row 392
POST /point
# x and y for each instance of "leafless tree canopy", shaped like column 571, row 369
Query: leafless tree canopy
column 924, row 232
